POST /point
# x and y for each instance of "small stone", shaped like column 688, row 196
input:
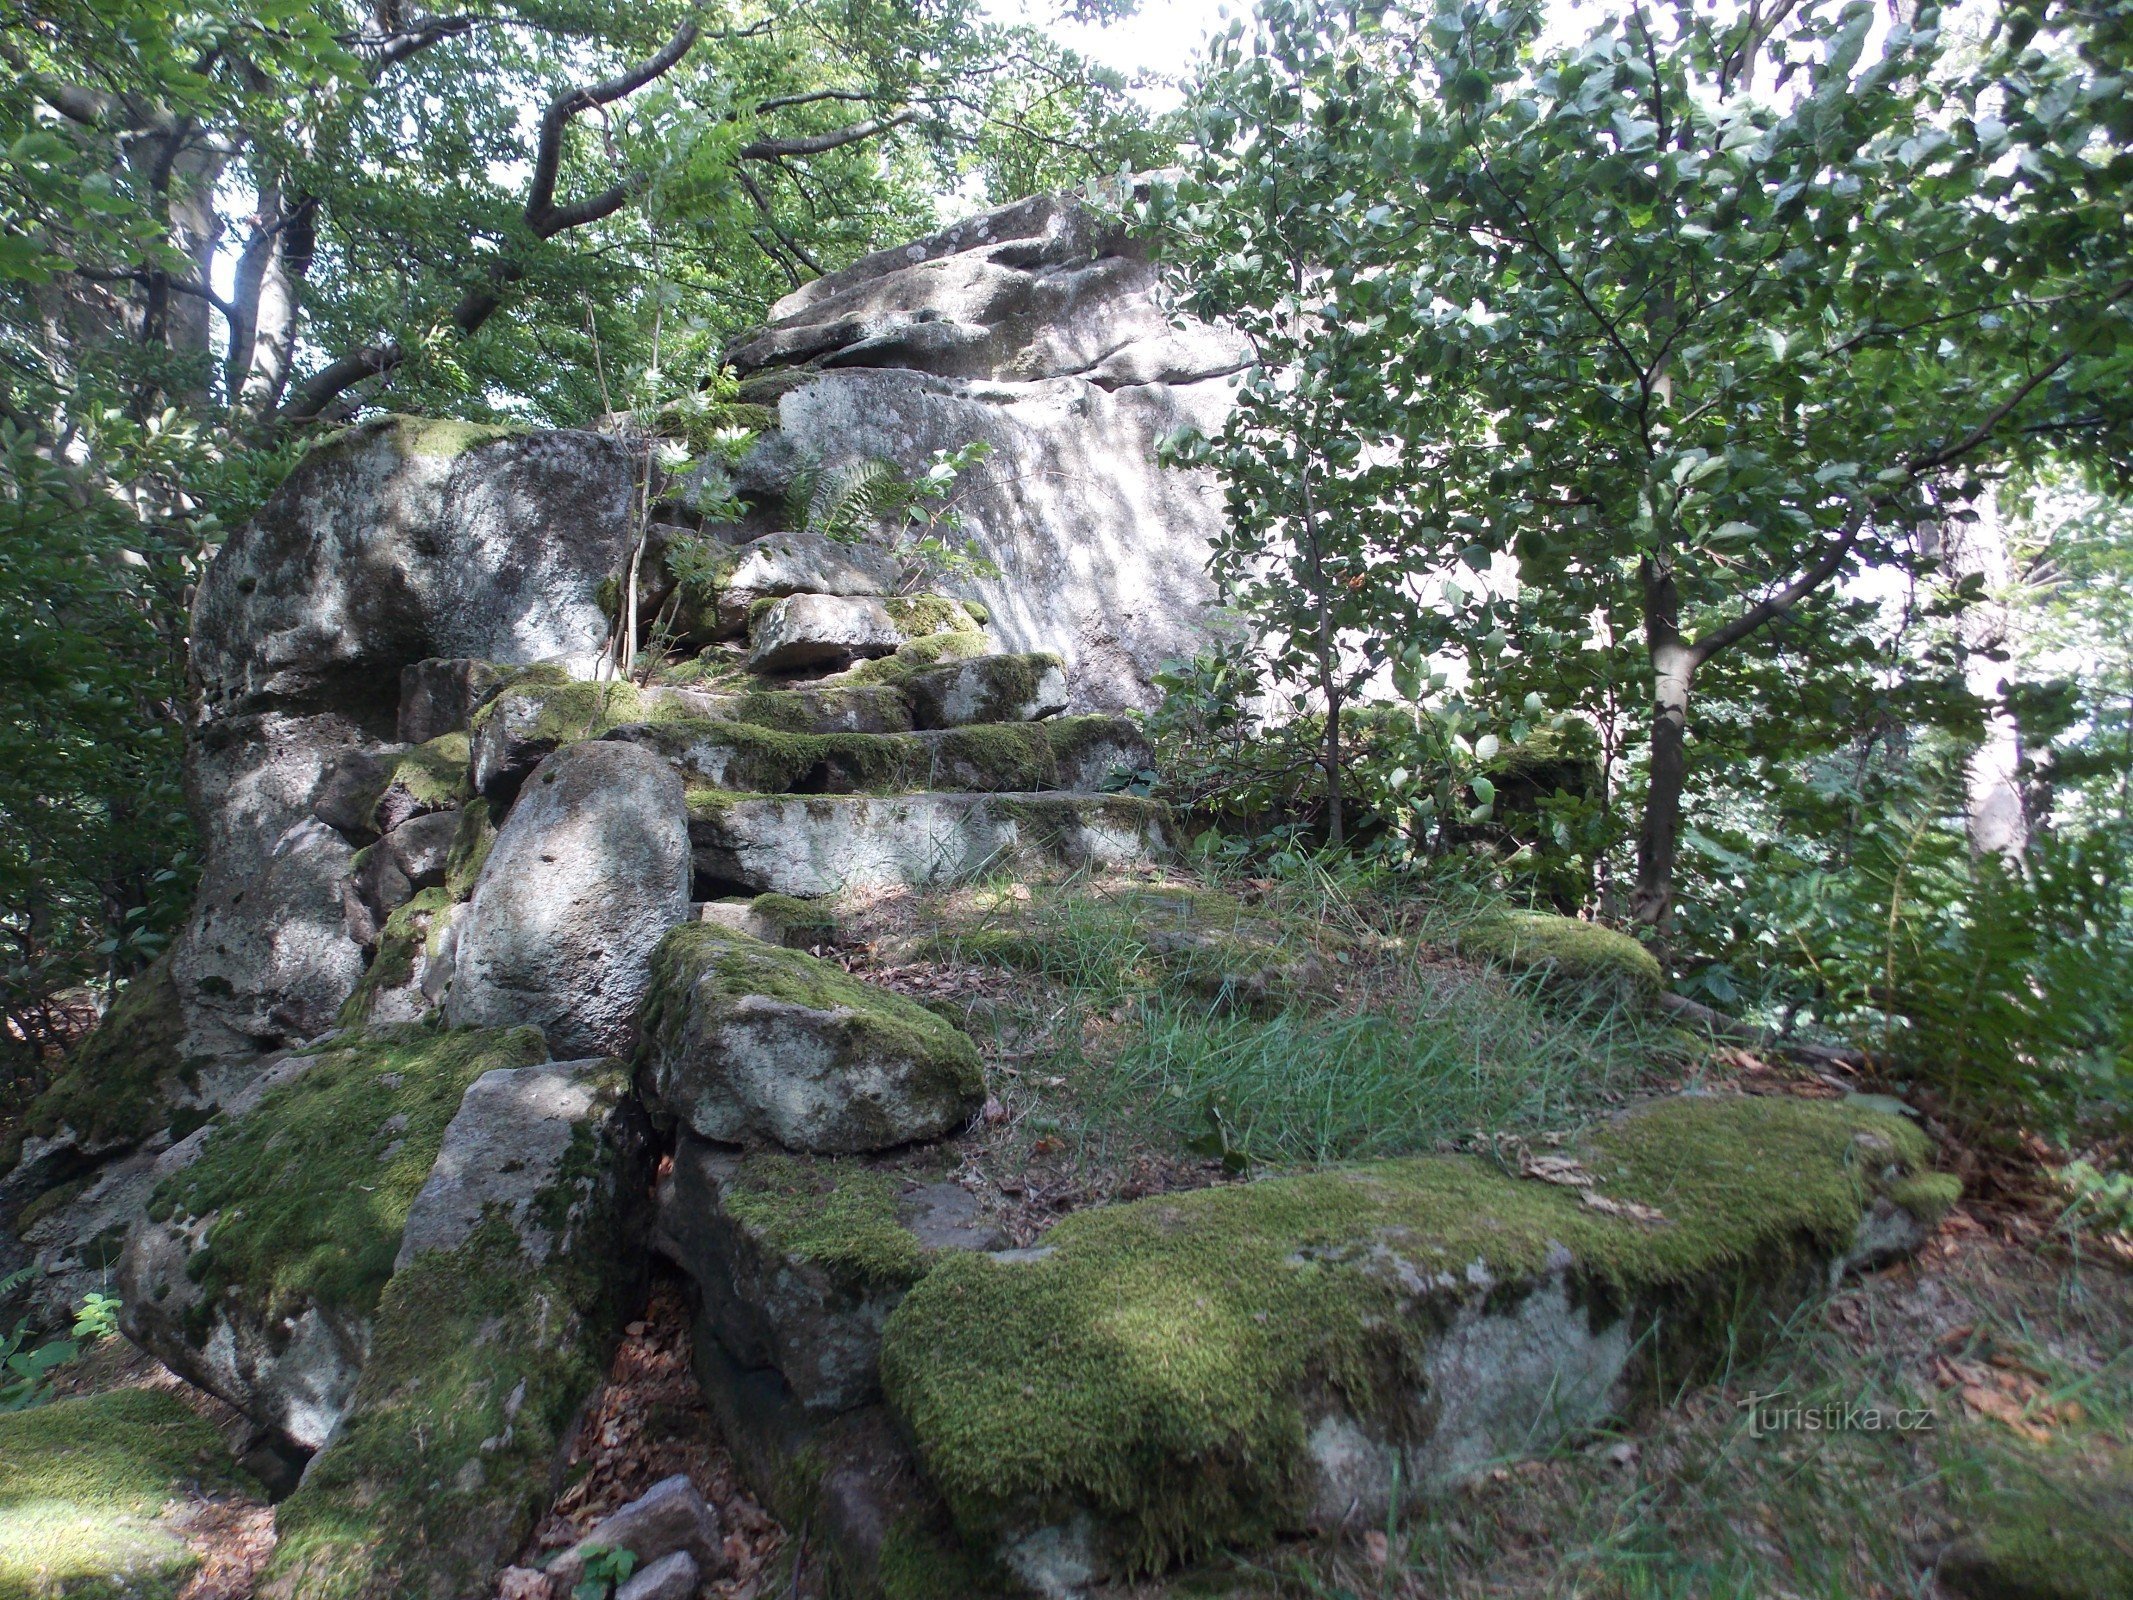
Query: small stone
column 671, row 1577
column 670, row 1517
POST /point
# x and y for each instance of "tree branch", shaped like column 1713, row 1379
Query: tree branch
column 1792, row 594
column 816, row 144
column 389, row 49
column 548, row 153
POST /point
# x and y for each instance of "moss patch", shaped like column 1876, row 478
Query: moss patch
column 913, row 656
column 1154, row 1366
column 798, row 924
column 478, row 1365
column 1581, row 955
column 82, row 1483
column 919, row 615
column 2057, row 1535
column 309, row 1191
column 469, row 851
column 441, row 436
column 836, row 1214
column 408, row 930
column 118, row 1086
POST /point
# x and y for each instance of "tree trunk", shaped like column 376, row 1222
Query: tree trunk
column 1673, row 671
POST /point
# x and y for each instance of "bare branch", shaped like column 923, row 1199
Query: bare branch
column 548, row 154
column 327, row 385
column 816, row 144
column 389, row 49
column 1825, row 567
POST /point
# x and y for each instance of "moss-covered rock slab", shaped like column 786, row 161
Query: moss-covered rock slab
column 258, row 1268
column 523, row 725
column 518, row 1262
column 812, row 845
column 748, row 1041
column 1011, row 688
column 798, row 1262
column 1218, row 1367
column 87, row 1489
column 825, row 630
column 1582, row 959
column 1078, row 753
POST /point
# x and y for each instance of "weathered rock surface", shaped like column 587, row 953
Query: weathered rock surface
column 781, row 564
column 1163, row 1377
column 823, row 630
column 399, row 540
column 798, row 1263
column 1011, row 688
column 822, row 844
column 749, row 1041
column 669, row 1519
column 266, row 957
column 440, row 695
column 588, row 870
column 485, row 1344
column 1038, row 330
column 257, row 1269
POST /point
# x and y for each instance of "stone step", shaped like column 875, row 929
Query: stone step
column 1078, row 753
column 821, row 844
column 815, row 630
column 529, row 721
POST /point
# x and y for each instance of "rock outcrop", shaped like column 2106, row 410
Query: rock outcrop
column 1036, row 330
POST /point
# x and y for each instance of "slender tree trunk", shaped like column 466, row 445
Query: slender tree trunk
column 1673, row 671
column 1328, row 653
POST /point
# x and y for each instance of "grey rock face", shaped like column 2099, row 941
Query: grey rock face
column 671, row 1577
column 751, row 1041
column 266, row 957
column 1011, row 688
column 811, row 845
column 810, row 630
column 588, row 870
column 799, row 563
column 1039, row 331
column 441, row 695
column 773, row 1302
column 668, row 1525
column 505, row 1151
column 399, row 540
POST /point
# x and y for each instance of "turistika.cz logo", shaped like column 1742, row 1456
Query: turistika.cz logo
column 1769, row 1414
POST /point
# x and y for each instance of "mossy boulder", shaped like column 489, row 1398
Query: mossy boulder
column 810, row 845
column 522, row 1257
column 271, row 1234
column 125, row 1081
column 2057, row 1532
column 1582, row 959
column 798, row 1261
column 817, row 630
column 746, row 1041
column 87, row 1491
column 407, row 977
column 1218, row 1367
column 1011, row 688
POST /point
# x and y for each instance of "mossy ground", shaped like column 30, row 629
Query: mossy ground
column 1154, row 1365
column 311, row 1189
column 1582, row 956
column 82, row 1485
column 117, row 1086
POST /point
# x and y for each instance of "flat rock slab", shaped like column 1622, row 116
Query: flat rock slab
column 1206, row 1369
column 799, row 1262
column 748, row 1041
column 485, row 1346
column 590, row 867
column 669, row 1521
column 810, row 845
column 818, row 630
column 1008, row 688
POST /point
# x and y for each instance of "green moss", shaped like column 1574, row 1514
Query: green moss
column 1928, row 1195
column 407, row 930
column 432, row 776
column 82, row 1485
column 310, row 1190
column 1154, row 1365
column 921, row 1562
column 914, row 655
column 704, row 963
column 51, row 1201
column 469, row 852
column 2058, row 1533
column 441, row 436
column 919, row 615
column 1582, row 955
column 1006, row 686
column 837, row 1214
column 479, row 1363
column 794, row 922
column 119, row 1084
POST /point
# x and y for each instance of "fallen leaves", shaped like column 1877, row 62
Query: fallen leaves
column 2009, row 1391
column 1570, row 1173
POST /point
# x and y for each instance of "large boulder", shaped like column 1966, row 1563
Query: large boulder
column 518, row 1262
column 1037, row 330
column 401, row 539
column 747, row 1041
column 257, row 1270
column 590, row 868
column 1172, row 1375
